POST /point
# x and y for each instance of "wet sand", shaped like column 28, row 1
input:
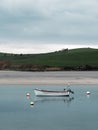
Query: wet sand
column 46, row 78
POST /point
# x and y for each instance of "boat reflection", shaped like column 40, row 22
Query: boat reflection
column 53, row 99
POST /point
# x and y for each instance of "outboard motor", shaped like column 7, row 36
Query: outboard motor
column 69, row 90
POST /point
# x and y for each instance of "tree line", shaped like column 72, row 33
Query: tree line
column 7, row 65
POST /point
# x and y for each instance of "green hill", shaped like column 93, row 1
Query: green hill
column 74, row 59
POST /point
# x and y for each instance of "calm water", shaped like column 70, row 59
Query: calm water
column 78, row 112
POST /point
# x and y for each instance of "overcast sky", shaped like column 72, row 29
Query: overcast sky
column 35, row 26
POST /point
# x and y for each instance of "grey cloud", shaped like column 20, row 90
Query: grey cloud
column 49, row 20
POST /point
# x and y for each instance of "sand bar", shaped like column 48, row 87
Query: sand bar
column 42, row 78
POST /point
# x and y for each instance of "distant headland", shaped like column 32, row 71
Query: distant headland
column 79, row 59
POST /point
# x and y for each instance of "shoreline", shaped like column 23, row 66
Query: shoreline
column 48, row 82
column 48, row 78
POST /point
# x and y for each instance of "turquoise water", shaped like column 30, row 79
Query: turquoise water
column 79, row 112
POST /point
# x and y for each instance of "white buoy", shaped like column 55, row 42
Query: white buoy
column 88, row 93
column 31, row 103
column 28, row 94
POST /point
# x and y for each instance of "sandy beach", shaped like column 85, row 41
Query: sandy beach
column 42, row 78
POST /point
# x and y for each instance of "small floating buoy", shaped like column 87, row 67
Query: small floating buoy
column 31, row 103
column 88, row 93
column 28, row 94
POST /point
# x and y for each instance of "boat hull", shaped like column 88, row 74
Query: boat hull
column 50, row 93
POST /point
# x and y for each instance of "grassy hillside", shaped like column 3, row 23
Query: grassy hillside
column 64, row 58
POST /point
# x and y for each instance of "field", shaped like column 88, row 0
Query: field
column 82, row 58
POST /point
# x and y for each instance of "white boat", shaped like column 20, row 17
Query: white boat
column 41, row 92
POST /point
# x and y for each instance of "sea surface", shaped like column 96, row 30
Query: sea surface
column 78, row 112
